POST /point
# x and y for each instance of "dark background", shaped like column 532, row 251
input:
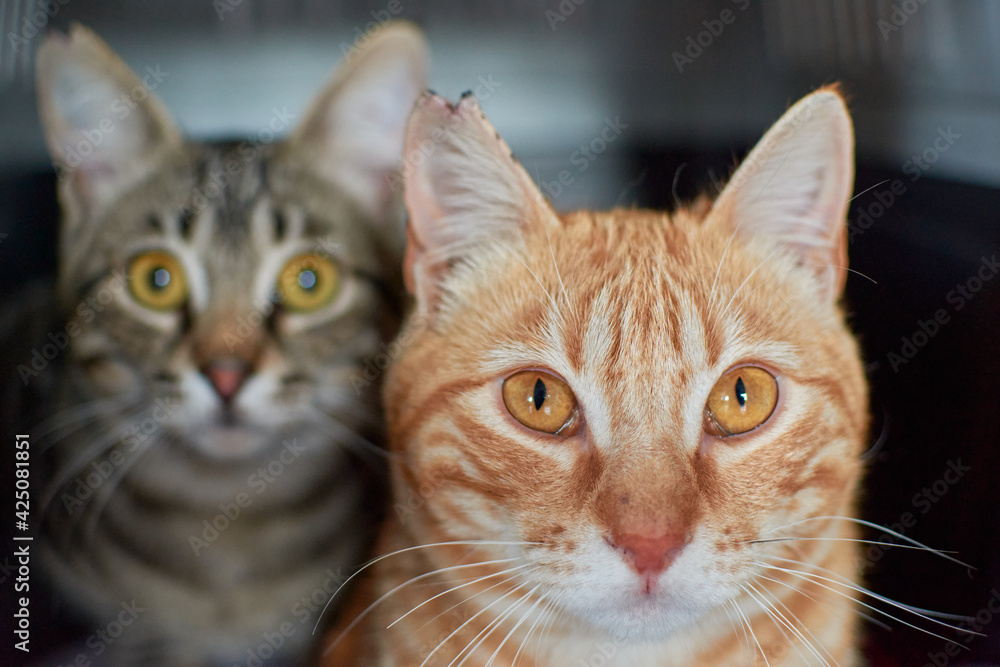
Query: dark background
column 556, row 73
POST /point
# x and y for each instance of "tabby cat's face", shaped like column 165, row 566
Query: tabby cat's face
column 227, row 293
column 631, row 400
column 245, row 316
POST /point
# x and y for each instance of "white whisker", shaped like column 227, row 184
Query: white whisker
column 813, row 578
column 467, row 621
column 875, row 526
column 493, row 625
column 402, row 551
column 475, row 580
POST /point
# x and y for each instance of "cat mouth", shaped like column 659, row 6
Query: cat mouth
column 231, row 440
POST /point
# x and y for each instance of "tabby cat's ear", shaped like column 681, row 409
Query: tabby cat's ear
column 103, row 126
column 352, row 134
column 464, row 192
column 795, row 186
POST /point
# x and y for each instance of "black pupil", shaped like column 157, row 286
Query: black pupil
column 741, row 392
column 539, row 393
column 159, row 278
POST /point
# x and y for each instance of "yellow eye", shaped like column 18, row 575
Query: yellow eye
column 539, row 400
column 308, row 282
column 156, row 280
column 740, row 401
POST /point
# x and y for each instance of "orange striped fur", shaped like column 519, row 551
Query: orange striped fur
column 640, row 313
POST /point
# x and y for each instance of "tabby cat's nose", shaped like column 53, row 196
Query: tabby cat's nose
column 648, row 555
column 226, row 376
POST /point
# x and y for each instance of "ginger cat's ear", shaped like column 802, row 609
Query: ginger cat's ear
column 352, row 134
column 103, row 126
column 464, row 191
column 795, row 187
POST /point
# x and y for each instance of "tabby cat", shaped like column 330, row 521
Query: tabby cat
column 213, row 442
column 624, row 437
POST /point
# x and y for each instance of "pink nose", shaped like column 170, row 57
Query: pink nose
column 648, row 555
column 227, row 376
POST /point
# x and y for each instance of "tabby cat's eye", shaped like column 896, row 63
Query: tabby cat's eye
column 740, row 401
column 308, row 282
column 539, row 400
column 156, row 280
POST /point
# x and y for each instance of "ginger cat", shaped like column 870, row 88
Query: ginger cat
column 624, row 437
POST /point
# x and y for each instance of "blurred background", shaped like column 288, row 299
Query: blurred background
column 649, row 103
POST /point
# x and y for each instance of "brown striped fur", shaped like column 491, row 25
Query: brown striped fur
column 640, row 313
column 222, row 513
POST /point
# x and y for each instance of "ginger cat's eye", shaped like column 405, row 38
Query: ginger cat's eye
column 156, row 280
column 308, row 282
column 740, row 401
column 539, row 400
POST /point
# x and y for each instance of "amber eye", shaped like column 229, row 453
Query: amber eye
column 156, row 280
column 539, row 400
column 308, row 282
column 740, row 401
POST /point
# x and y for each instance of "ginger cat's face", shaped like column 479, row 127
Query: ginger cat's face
column 637, row 404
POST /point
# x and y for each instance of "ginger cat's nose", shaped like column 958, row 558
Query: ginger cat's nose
column 226, row 376
column 648, row 555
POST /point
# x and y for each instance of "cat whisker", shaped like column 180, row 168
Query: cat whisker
column 527, row 614
column 78, row 415
column 558, row 614
column 104, row 440
column 408, row 550
column 110, row 485
column 492, row 626
column 746, row 624
column 539, row 621
column 728, row 607
column 331, row 426
column 555, row 265
column 875, row 526
column 791, row 626
column 846, row 539
column 472, row 597
column 910, row 608
column 777, row 250
column 780, row 622
column 412, row 580
column 555, row 304
column 468, row 583
column 815, row 579
column 465, row 623
column 798, row 590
